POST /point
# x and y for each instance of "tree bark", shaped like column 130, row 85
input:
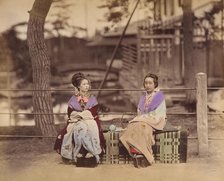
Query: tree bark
column 40, row 60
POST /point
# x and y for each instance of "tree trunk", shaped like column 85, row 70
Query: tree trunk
column 42, row 104
column 189, row 65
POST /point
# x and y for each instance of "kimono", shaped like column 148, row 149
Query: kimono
column 139, row 132
column 83, row 129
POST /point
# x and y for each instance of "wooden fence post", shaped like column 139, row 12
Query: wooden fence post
column 202, row 118
column 139, row 68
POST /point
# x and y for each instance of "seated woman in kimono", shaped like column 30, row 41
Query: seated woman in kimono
column 83, row 136
column 138, row 137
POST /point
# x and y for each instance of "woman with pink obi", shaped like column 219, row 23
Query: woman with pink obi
column 82, row 137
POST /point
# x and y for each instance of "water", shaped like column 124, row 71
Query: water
column 26, row 119
column 111, row 103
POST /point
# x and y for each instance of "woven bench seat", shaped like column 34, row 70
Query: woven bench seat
column 170, row 147
column 115, row 151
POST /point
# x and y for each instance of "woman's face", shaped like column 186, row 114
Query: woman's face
column 149, row 84
column 84, row 86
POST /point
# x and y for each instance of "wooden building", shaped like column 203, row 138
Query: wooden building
column 156, row 45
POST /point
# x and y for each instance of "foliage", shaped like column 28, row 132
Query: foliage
column 60, row 19
column 207, row 21
column 118, row 10
column 19, row 53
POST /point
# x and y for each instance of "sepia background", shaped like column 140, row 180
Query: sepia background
column 175, row 39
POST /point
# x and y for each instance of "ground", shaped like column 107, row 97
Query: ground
column 33, row 160
column 48, row 166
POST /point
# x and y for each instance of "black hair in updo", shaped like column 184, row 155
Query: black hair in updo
column 154, row 77
column 77, row 79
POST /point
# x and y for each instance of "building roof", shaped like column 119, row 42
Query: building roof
column 112, row 41
column 131, row 30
